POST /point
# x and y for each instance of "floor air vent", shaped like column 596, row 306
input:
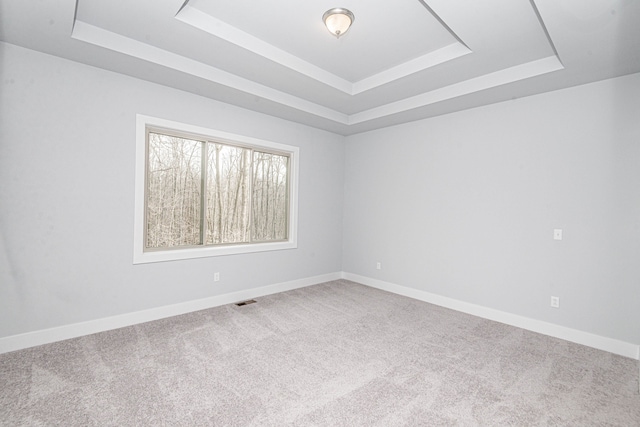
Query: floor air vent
column 247, row 302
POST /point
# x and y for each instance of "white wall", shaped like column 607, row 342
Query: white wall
column 464, row 206
column 67, row 147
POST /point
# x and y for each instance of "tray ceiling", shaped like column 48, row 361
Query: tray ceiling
column 400, row 61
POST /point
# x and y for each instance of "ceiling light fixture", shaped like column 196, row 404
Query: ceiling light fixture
column 338, row 20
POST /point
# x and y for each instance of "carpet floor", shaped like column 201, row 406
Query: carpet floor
column 334, row 354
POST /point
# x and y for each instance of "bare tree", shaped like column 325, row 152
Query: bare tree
column 240, row 184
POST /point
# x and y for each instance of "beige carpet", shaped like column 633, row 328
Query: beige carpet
column 335, row 354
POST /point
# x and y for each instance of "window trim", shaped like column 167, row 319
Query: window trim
column 141, row 256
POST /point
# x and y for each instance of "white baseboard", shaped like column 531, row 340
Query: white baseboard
column 45, row 336
column 591, row 340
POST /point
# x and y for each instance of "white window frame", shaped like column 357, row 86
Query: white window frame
column 140, row 256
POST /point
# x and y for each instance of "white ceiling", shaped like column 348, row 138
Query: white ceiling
column 401, row 61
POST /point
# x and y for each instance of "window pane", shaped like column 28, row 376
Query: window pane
column 270, row 197
column 228, row 201
column 173, row 191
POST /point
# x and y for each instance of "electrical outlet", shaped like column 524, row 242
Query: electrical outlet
column 555, row 302
column 378, row 266
column 216, row 277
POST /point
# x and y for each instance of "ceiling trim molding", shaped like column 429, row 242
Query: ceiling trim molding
column 421, row 63
column 441, row 21
column 207, row 23
column 544, row 28
column 211, row 25
column 125, row 45
column 100, row 37
column 466, row 87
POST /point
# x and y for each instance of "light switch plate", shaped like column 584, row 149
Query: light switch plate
column 557, row 234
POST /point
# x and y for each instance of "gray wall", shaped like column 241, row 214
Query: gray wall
column 464, row 206
column 67, row 148
column 461, row 205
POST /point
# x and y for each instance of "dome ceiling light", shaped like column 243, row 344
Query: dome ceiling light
column 338, row 20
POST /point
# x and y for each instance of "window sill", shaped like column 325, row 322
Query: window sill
column 141, row 257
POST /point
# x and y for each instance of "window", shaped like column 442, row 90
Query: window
column 201, row 192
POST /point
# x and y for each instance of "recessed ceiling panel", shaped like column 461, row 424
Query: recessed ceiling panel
column 401, row 60
column 380, row 38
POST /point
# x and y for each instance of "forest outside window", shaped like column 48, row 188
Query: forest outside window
column 208, row 193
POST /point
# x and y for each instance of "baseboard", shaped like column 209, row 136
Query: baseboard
column 60, row 333
column 591, row 340
column 45, row 336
